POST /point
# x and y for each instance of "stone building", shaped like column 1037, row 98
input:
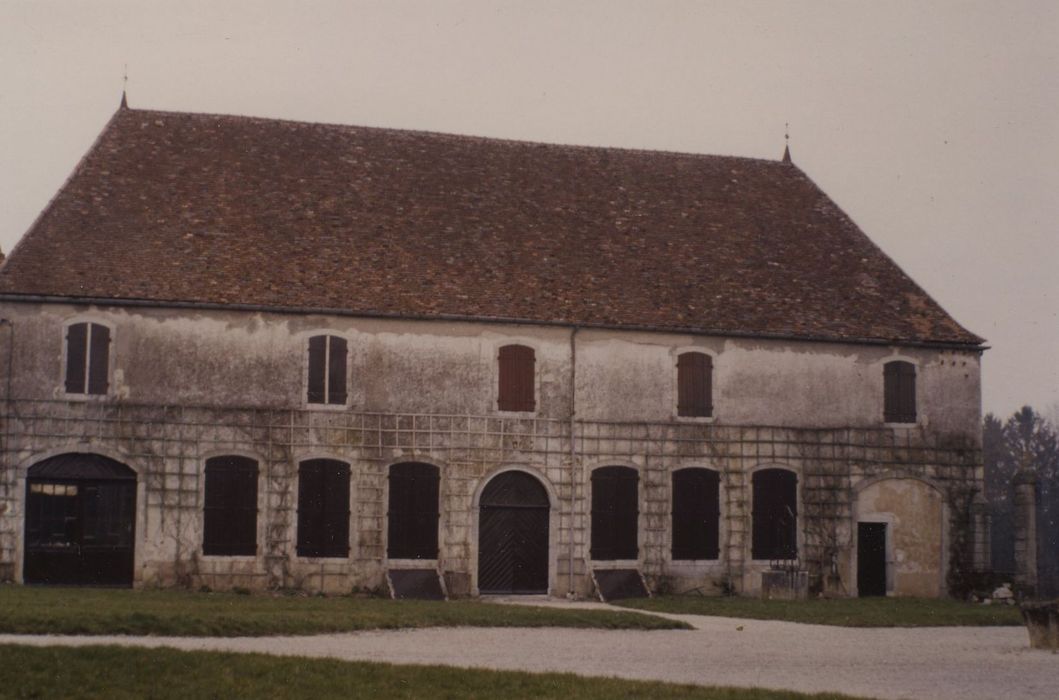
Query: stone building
column 258, row 353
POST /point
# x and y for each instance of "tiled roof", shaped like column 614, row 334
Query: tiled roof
column 171, row 207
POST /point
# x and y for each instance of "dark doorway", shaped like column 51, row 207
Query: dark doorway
column 80, row 521
column 871, row 559
column 513, row 535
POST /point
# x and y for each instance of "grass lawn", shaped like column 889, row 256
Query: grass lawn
column 118, row 672
column 31, row 610
column 846, row 612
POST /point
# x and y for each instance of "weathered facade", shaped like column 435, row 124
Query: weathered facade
column 222, row 367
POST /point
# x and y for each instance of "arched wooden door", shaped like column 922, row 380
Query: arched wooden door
column 80, row 521
column 513, row 535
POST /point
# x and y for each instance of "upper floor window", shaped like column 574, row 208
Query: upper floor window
column 230, row 508
column 517, row 379
column 695, row 385
column 87, row 358
column 328, row 357
column 900, row 392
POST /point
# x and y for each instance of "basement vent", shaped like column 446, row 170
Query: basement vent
column 419, row 584
column 615, row 584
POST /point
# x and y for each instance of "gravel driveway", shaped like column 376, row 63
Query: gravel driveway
column 937, row 662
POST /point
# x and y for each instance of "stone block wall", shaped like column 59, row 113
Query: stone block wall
column 167, row 447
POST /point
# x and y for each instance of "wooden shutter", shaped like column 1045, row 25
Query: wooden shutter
column 900, row 392
column 775, row 515
column 337, row 357
column 230, row 508
column 695, row 384
column 317, row 368
column 517, row 379
column 323, row 508
column 615, row 513
column 76, row 355
column 412, row 531
column 696, row 514
column 98, row 359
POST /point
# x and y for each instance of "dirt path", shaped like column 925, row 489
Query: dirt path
column 953, row 662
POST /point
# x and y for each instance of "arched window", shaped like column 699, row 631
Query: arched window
column 413, row 513
column 517, row 379
column 323, row 508
column 615, row 513
column 900, row 392
column 230, row 508
column 695, row 385
column 696, row 514
column 328, row 358
column 87, row 358
column 775, row 514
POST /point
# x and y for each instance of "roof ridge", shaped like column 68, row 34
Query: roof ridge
column 499, row 140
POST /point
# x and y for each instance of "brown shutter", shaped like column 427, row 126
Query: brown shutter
column 517, row 379
column 98, row 359
column 336, row 370
column 317, row 364
column 76, row 349
column 695, row 384
column 899, row 388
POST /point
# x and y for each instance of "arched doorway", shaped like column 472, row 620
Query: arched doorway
column 80, row 521
column 513, row 535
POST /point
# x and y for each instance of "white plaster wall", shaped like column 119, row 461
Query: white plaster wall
column 241, row 359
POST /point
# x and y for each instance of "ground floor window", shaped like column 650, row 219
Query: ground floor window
column 696, row 514
column 230, row 506
column 615, row 513
column 775, row 514
column 412, row 531
column 323, row 508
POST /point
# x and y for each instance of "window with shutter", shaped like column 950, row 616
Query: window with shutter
column 695, row 385
column 517, row 379
column 328, row 364
column 696, row 514
column 230, row 508
column 412, row 531
column 899, row 379
column 615, row 513
column 87, row 358
column 775, row 514
column 323, row 508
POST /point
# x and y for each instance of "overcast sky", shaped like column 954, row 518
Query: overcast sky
column 936, row 127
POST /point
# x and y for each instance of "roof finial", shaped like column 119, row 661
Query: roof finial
column 786, row 142
column 124, row 85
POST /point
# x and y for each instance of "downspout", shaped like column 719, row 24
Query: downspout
column 10, row 370
column 573, row 463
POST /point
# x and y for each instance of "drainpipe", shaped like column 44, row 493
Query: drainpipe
column 10, row 366
column 573, row 462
